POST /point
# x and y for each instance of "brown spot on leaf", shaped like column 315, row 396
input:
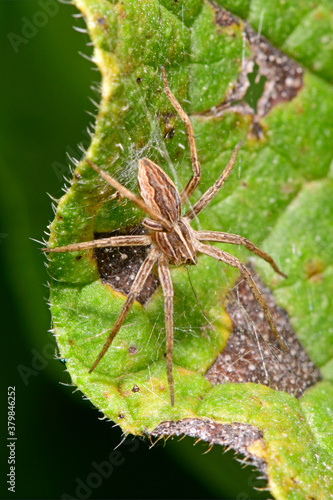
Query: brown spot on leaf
column 283, row 76
column 118, row 266
column 256, row 130
column 244, row 361
column 168, row 121
column 135, row 388
column 240, row 437
column 223, row 17
column 287, row 188
column 132, row 350
column 313, row 269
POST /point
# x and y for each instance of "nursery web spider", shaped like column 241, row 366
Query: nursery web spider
column 170, row 237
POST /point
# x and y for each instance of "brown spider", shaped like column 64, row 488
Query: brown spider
column 171, row 238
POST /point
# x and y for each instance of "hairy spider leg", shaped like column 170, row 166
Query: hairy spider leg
column 195, row 179
column 114, row 241
column 167, row 287
column 234, row 262
column 136, row 288
column 133, row 197
column 235, row 239
column 214, row 189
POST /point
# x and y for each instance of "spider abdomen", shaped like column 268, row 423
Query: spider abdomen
column 158, row 191
column 178, row 244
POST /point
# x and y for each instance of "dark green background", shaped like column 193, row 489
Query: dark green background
column 45, row 86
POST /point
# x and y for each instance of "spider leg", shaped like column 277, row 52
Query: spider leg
column 167, row 287
column 195, row 179
column 235, row 239
column 234, row 262
column 115, row 241
column 137, row 285
column 131, row 196
column 213, row 190
column 153, row 225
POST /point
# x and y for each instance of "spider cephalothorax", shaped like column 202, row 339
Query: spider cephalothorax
column 171, row 238
column 160, row 193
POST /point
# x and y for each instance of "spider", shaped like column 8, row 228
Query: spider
column 170, row 236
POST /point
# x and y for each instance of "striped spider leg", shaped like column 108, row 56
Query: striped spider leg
column 170, row 237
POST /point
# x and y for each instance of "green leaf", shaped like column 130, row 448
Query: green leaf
column 279, row 196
